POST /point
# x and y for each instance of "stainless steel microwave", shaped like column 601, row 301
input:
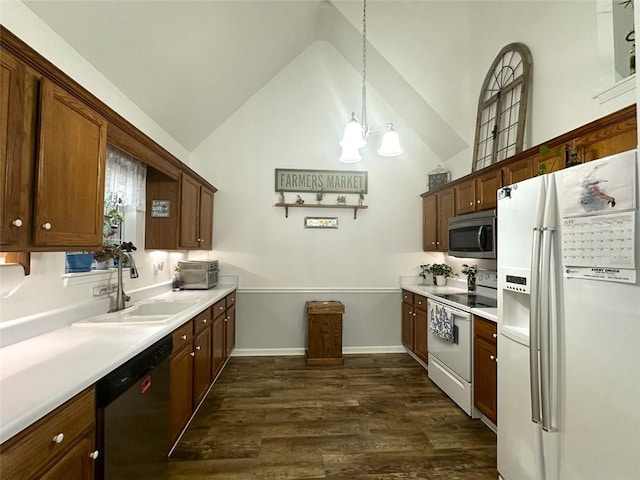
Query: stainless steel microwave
column 473, row 235
column 198, row 275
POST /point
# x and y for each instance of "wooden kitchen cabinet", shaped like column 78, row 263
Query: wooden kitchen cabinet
column 415, row 324
column 420, row 327
column 59, row 446
column 196, row 214
column 478, row 193
column 485, row 368
column 517, row 171
column 19, row 90
column 181, row 380
column 202, row 358
column 230, row 326
column 407, row 319
column 437, row 208
column 324, row 333
column 53, row 195
column 218, row 351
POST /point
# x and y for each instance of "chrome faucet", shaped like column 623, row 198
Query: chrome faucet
column 125, row 255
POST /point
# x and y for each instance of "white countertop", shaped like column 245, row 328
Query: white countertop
column 431, row 291
column 39, row 374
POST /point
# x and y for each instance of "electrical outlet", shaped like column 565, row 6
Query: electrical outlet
column 104, row 289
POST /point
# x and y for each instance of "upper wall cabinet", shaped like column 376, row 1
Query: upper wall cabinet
column 196, row 214
column 52, row 164
column 187, row 223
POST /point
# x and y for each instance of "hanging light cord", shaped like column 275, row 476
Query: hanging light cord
column 365, row 124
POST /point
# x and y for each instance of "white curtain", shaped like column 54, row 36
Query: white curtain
column 125, row 182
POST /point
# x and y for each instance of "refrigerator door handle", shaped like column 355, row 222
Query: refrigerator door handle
column 545, row 353
column 534, row 328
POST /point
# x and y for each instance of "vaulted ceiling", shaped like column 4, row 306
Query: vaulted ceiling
column 191, row 64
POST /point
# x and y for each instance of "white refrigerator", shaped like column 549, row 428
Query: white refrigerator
column 569, row 324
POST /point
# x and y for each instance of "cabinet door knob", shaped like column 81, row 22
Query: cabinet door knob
column 494, row 335
column 221, row 308
column 478, row 202
column 184, row 337
column 226, row 319
column 46, row 226
column 17, row 222
column 437, row 243
column 58, row 438
column 492, row 357
column 470, row 204
column 204, row 320
column 94, row 455
column 198, row 347
column 433, row 243
column 193, row 354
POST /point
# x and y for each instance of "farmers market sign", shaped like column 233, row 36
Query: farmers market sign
column 329, row 181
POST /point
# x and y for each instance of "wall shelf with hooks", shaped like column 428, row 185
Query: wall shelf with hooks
column 286, row 207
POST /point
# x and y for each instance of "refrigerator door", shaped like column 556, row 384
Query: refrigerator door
column 598, row 363
column 520, row 214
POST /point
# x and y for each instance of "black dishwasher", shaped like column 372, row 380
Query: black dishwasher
column 132, row 433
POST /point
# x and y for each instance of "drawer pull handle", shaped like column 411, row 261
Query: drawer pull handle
column 184, row 337
column 17, row 222
column 58, row 438
column 94, row 455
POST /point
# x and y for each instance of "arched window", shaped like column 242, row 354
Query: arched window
column 502, row 107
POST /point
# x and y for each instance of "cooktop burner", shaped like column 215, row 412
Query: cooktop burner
column 471, row 301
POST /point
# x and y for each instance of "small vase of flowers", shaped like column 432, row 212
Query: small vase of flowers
column 470, row 272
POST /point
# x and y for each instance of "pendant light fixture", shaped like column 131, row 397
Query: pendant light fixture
column 356, row 133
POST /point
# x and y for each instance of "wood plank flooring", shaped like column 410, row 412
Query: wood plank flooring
column 377, row 417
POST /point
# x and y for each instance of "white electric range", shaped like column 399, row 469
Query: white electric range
column 450, row 336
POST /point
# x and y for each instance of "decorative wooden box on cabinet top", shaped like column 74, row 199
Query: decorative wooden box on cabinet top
column 324, row 333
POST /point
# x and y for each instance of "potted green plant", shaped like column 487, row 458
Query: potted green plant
column 439, row 271
column 104, row 256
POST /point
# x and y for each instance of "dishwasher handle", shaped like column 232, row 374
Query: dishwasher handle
column 115, row 383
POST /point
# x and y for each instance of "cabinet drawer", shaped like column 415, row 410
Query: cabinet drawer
column 407, row 297
column 420, row 302
column 231, row 299
column 27, row 453
column 485, row 329
column 219, row 308
column 201, row 321
column 182, row 336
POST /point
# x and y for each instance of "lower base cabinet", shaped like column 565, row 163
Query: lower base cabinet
column 59, row 446
column 200, row 349
column 415, row 324
column 485, row 368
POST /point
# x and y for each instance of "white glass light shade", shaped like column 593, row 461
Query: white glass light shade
column 350, row 155
column 352, row 137
column 390, row 146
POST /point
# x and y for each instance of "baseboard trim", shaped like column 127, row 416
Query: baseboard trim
column 285, row 352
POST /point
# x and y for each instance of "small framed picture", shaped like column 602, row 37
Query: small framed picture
column 161, row 208
column 437, row 179
column 320, row 222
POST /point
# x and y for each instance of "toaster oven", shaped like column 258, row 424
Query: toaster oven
column 198, row 275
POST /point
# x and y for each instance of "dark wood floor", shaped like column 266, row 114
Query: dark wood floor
column 377, row 417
